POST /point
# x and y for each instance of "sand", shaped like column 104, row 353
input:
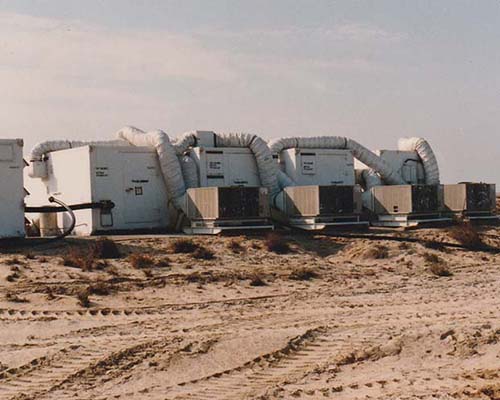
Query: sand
column 333, row 318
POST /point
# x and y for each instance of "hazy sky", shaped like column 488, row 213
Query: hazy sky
column 370, row 70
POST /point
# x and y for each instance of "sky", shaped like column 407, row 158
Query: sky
column 373, row 71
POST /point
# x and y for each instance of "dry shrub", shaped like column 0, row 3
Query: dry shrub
column 13, row 261
column 147, row 273
column 436, row 265
column 235, row 246
column 465, row 234
column 12, row 277
column 202, row 253
column 163, row 262
column 277, row 243
column 14, row 298
column 78, row 258
column 439, row 270
column 256, row 246
column 432, row 258
column 101, row 264
column 83, row 298
column 42, row 260
column 29, row 256
column 257, row 280
column 105, row 248
column 140, row 261
column 100, row 288
column 201, row 277
column 376, row 252
column 185, row 246
column 303, row 274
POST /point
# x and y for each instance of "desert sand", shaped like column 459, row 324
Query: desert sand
column 331, row 317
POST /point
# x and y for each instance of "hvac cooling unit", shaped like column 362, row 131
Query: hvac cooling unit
column 405, row 205
column 318, row 166
column 471, row 200
column 230, row 195
column 214, row 209
column 128, row 177
column 12, row 192
column 316, row 207
column 326, row 193
column 407, row 163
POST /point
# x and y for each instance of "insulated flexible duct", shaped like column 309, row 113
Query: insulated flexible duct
column 268, row 170
column 169, row 162
column 359, row 152
column 424, row 151
column 38, row 168
column 189, row 172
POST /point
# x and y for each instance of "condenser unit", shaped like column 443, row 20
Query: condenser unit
column 324, row 192
column 471, row 200
column 214, row 209
column 230, row 195
column 405, row 205
column 316, row 207
column 12, row 192
column 122, row 188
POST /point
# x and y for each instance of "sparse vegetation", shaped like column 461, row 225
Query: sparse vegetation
column 202, row 253
column 465, row 234
column 29, row 256
column 83, row 298
column 140, row 261
column 235, row 246
column 164, row 262
column 303, row 274
column 184, row 246
column 105, row 248
column 277, row 243
column 439, row 270
column 14, row 298
column 13, row 261
column 432, row 258
column 257, row 280
column 100, row 288
column 14, row 275
column 436, row 265
column 376, row 252
column 78, row 258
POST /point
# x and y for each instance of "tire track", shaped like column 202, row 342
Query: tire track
column 35, row 378
column 302, row 354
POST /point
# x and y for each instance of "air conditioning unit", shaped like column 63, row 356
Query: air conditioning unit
column 316, row 207
column 225, row 166
column 214, row 209
column 12, row 192
column 321, row 167
column 128, row 177
column 473, row 200
column 405, row 205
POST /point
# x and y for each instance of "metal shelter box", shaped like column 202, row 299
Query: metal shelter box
column 405, row 205
column 318, row 166
column 316, row 207
column 226, row 166
column 130, row 177
column 473, row 200
column 214, row 209
column 407, row 163
column 12, row 192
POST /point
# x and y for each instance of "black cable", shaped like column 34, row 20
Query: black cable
column 71, row 214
